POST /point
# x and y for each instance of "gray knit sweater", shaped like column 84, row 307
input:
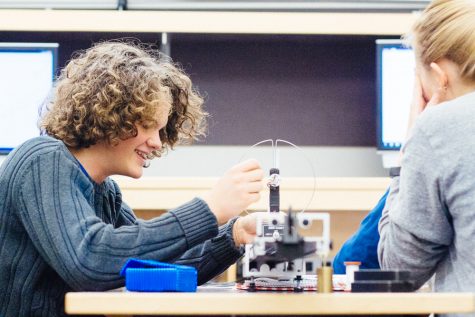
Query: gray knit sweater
column 428, row 224
column 62, row 232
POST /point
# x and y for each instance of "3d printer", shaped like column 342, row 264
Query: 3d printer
column 288, row 245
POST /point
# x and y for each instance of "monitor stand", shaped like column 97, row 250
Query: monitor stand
column 390, row 158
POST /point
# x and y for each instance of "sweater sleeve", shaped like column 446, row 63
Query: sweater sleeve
column 126, row 216
column 415, row 226
column 54, row 203
column 210, row 258
column 214, row 255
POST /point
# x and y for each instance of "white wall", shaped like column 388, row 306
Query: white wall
column 215, row 160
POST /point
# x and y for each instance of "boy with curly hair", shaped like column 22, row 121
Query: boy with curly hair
column 64, row 225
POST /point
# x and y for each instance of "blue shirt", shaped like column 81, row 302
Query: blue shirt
column 363, row 245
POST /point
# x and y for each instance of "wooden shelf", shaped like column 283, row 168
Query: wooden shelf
column 339, row 194
column 206, row 22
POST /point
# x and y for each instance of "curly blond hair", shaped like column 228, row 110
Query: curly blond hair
column 187, row 119
column 104, row 92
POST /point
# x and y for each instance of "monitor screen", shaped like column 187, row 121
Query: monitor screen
column 395, row 81
column 27, row 72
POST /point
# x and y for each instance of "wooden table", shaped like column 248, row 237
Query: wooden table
column 244, row 303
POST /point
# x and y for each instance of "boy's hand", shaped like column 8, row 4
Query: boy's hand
column 236, row 190
column 244, row 229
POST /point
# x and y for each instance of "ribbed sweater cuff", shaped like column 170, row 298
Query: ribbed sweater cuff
column 224, row 250
column 197, row 221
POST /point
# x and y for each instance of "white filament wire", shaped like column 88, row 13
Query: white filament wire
column 311, row 168
column 254, row 145
column 276, row 163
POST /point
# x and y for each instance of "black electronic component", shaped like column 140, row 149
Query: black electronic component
column 382, row 286
column 381, row 275
column 382, row 281
column 274, row 195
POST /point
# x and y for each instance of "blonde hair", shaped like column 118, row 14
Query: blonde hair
column 187, row 119
column 106, row 91
column 446, row 29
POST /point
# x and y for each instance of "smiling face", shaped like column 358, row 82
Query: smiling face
column 122, row 85
column 128, row 156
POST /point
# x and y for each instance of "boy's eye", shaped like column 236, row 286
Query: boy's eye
column 149, row 125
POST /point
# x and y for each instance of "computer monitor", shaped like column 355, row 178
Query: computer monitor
column 395, row 81
column 27, row 73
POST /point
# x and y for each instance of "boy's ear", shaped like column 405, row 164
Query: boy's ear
column 441, row 75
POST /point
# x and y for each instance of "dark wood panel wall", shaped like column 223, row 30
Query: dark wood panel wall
column 311, row 90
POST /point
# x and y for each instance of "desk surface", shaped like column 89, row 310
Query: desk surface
column 244, row 303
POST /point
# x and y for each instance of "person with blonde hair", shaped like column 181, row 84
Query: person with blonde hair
column 64, row 225
column 428, row 223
